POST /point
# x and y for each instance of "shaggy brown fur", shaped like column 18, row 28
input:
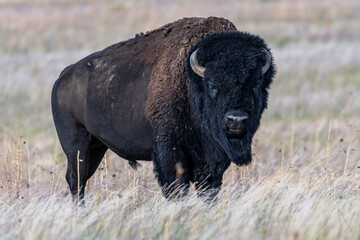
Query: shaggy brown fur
column 169, row 84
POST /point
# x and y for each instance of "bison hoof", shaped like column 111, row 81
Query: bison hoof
column 175, row 192
column 209, row 195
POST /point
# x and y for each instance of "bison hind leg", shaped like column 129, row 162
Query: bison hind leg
column 75, row 143
column 134, row 164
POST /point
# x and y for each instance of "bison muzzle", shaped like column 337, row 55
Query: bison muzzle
column 188, row 96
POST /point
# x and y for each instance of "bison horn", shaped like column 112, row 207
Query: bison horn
column 268, row 61
column 196, row 67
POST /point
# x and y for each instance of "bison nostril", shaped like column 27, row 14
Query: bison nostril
column 229, row 120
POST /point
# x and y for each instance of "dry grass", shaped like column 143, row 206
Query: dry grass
column 293, row 202
column 303, row 182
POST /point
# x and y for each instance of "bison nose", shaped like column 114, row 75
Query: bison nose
column 235, row 122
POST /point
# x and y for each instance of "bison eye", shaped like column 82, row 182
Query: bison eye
column 213, row 90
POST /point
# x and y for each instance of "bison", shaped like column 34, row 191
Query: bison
column 188, row 96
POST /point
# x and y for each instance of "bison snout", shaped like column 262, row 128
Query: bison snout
column 236, row 123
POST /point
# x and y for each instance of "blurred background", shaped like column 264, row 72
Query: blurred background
column 314, row 107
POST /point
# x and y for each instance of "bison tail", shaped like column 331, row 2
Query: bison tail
column 134, row 164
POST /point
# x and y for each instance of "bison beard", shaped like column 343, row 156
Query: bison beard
column 188, row 96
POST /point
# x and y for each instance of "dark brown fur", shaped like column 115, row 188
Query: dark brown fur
column 169, row 84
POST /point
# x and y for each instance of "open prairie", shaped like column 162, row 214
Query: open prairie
column 303, row 183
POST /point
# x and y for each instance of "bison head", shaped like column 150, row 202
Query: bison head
column 230, row 74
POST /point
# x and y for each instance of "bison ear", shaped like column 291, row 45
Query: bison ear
column 268, row 61
column 195, row 66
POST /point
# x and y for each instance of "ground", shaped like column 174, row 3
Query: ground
column 303, row 183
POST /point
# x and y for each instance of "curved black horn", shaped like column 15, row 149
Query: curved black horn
column 268, row 61
column 195, row 66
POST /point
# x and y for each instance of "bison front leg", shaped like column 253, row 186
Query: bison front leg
column 171, row 169
column 208, row 179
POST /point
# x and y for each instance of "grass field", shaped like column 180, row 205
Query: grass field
column 303, row 183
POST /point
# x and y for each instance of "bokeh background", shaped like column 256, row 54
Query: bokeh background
column 311, row 128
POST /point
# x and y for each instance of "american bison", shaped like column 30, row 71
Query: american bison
column 188, row 96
